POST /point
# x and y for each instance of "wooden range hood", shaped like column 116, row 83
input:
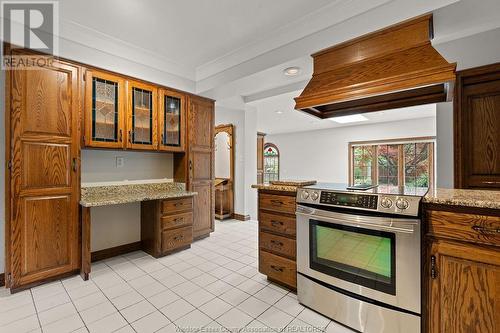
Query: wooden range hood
column 390, row 68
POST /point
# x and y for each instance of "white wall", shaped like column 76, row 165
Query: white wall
column 250, row 161
column 323, row 155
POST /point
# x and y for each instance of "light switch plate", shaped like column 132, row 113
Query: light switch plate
column 120, row 161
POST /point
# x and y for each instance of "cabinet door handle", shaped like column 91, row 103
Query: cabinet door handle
column 433, row 267
column 276, row 223
column 121, row 135
column 161, row 139
column 276, row 243
column 130, row 136
column 278, row 269
column 484, row 230
column 74, row 164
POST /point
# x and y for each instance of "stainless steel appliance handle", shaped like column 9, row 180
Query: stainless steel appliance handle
column 370, row 222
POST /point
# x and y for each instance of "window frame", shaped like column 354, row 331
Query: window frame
column 401, row 166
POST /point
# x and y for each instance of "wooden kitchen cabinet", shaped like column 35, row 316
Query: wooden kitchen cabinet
column 43, row 179
column 171, row 120
column 166, row 225
column 277, row 237
column 463, row 260
column 105, row 110
column 477, row 128
column 201, row 124
column 142, row 116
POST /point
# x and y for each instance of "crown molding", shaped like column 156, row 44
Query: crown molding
column 81, row 34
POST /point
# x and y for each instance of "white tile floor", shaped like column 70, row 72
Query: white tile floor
column 212, row 287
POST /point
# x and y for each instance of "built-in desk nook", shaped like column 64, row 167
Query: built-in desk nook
column 166, row 215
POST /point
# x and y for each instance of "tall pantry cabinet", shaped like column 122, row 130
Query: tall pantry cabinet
column 42, row 177
column 196, row 166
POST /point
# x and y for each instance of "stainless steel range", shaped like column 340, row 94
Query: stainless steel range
column 358, row 256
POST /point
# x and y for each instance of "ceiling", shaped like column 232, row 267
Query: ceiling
column 189, row 32
column 289, row 120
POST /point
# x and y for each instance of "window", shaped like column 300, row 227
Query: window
column 271, row 162
column 394, row 163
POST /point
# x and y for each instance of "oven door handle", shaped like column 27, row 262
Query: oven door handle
column 408, row 229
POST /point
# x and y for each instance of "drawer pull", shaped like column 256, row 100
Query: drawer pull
column 278, row 269
column 277, row 202
column 275, row 223
column 179, row 219
column 176, row 238
column 276, row 243
column 485, row 230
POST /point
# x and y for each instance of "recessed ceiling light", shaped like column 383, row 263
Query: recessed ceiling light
column 349, row 119
column 291, row 71
column 279, row 112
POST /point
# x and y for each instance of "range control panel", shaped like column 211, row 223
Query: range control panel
column 384, row 203
column 349, row 199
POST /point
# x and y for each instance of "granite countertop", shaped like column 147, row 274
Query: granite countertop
column 93, row 196
column 466, row 198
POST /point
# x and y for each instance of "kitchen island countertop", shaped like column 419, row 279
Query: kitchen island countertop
column 464, row 198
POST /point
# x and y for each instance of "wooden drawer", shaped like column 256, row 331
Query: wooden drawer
column 278, row 268
column 285, row 225
column 465, row 227
column 277, row 244
column 176, row 238
column 279, row 203
column 172, row 206
column 176, row 221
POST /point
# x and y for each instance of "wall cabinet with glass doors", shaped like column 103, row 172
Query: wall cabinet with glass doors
column 130, row 114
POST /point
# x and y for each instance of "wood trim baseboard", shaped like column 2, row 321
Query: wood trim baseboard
column 2, row 279
column 241, row 217
column 115, row 251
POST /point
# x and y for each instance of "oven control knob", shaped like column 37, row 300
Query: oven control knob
column 304, row 195
column 386, row 202
column 314, row 195
column 402, row 203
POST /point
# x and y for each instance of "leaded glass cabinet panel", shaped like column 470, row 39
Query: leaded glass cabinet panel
column 271, row 163
column 104, row 110
column 171, row 120
column 142, row 116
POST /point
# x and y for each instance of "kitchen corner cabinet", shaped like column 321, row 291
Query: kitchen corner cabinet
column 142, row 116
column 463, row 260
column 105, row 103
column 171, row 120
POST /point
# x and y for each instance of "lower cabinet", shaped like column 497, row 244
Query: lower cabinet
column 166, row 225
column 464, row 274
column 277, row 243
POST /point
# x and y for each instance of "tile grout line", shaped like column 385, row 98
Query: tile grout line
column 36, row 310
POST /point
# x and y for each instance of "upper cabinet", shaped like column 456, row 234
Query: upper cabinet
column 142, row 116
column 123, row 113
column 104, row 110
column 171, row 122
column 477, row 128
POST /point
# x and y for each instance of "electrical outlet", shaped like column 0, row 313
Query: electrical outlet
column 120, row 161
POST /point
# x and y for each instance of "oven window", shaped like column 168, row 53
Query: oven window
column 362, row 256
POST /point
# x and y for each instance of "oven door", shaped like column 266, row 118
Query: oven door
column 375, row 257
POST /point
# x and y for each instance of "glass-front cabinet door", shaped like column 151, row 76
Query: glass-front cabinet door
column 142, row 116
column 104, row 110
column 172, row 120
